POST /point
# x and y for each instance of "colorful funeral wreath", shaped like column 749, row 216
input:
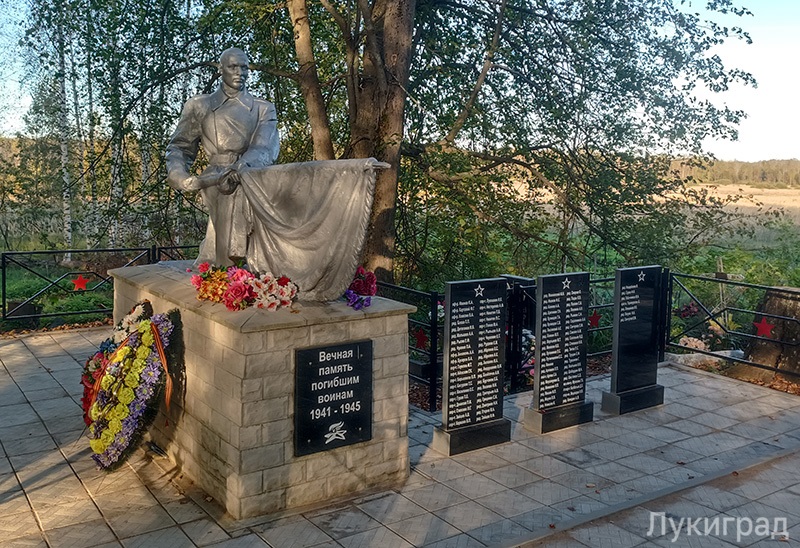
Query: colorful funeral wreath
column 122, row 384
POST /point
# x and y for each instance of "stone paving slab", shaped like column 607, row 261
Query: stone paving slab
column 718, row 448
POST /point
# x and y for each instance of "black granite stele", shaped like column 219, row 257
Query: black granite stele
column 634, row 350
column 474, row 348
column 333, row 397
column 562, row 333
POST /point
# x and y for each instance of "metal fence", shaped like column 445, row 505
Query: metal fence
column 71, row 282
column 735, row 322
column 426, row 335
column 717, row 316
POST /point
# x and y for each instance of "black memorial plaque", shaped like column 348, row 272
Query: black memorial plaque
column 562, row 333
column 333, row 397
column 474, row 348
column 634, row 351
column 474, row 352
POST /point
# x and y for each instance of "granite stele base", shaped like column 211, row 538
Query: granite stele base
column 231, row 422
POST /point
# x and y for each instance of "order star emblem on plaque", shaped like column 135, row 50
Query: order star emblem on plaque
column 336, row 432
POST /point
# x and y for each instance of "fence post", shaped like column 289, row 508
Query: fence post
column 514, row 346
column 665, row 321
column 153, row 258
column 3, row 266
column 433, row 354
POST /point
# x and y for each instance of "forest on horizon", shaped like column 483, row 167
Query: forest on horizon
column 761, row 174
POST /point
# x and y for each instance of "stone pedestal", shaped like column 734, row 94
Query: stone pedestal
column 231, row 423
column 469, row 438
column 632, row 400
column 556, row 418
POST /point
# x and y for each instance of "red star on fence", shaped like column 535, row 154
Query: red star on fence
column 80, row 283
column 594, row 319
column 764, row 328
column 421, row 339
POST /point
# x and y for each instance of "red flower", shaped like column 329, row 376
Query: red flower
column 197, row 281
column 364, row 283
column 283, row 281
column 203, row 267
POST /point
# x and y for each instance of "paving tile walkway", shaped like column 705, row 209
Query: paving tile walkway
column 717, row 450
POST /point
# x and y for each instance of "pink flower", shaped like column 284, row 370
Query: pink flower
column 238, row 296
column 203, row 267
column 197, row 280
column 239, row 274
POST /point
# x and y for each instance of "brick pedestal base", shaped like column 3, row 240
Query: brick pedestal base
column 231, row 423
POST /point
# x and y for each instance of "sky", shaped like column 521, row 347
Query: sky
column 771, row 130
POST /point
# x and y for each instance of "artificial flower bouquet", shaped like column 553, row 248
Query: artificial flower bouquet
column 123, row 381
column 362, row 288
column 238, row 288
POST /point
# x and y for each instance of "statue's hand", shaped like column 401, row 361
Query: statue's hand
column 206, row 180
column 229, row 182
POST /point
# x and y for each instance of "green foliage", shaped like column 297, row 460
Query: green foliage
column 539, row 136
column 77, row 302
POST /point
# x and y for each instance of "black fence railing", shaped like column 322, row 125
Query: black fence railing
column 735, row 321
column 727, row 319
column 426, row 335
column 69, row 283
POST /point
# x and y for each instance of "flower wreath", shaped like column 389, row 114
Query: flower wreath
column 96, row 364
column 123, row 401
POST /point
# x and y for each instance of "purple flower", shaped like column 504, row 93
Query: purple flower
column 151, row 373
column 137, row 407
column 130, row 422
column 351, row 297
column 145, row 391
column 164, row 326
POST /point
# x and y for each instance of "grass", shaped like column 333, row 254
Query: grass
column 47, row 288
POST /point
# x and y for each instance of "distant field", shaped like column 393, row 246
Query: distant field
column 787, row 199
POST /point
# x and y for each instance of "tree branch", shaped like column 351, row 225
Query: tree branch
column 372, row 46
column 487, row 66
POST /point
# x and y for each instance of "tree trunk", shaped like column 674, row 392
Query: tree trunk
column 783, row 351
column 396, row 40
column 63, row 137
column 309, row 81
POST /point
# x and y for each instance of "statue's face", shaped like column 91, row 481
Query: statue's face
column 234, row 70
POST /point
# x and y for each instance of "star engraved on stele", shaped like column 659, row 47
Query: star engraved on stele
column 641, row 276
column 479, row 291
column 566, row 283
